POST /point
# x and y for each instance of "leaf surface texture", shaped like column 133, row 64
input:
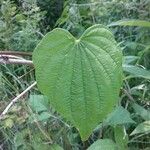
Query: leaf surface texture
column 81, row 77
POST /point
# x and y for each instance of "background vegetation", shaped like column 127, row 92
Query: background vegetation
column 31, row 123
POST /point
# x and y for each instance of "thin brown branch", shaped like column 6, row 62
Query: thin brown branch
column 128, row 95
column 15, row 61
column 15, row 53
column 15, row 100
column 10, row 56
column 26, row 73
column 11, row 59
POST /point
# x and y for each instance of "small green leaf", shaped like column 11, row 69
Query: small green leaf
column 121, row 137
column 142, row 128
column 118, row 117
column 41, row 146
column 136, row 71
column 145, row 114
column 20, row 138
column 43, row 116
column 38, row 103
column 139, row 23
column 129, row 59
column 55, row 147
column 8, row 123
column 81, row 77
column 104, row 144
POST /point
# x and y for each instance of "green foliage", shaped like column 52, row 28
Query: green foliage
column 38, row 103
column 115, row 118
column 55, row 147
column 21, row 142
column 129, row 59
column 139, row 23
column 53, row 10
column 19, row 26
column 145, row 114
column 143, row 127
column 121, row 137
column 31, row 123
column 75, row 76
column 103, row 144
column 136, row 71
column 81, row 14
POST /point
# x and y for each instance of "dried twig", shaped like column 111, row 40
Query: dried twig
column 4, row 52
column 12, row 59
column 16, row 61
column 128, row 95
column 3, row 56
column 16, row 99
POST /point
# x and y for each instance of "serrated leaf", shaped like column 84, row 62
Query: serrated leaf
column 145, row 114
column 142, row 128
column 103, row 144
column 119, row 116
column 81, row 77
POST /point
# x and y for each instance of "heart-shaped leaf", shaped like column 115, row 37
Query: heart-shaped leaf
column 81, row 77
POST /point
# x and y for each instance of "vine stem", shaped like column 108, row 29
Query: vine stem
column 16, row 99
column 128, row 95
column 18, row 53
column 11, row 59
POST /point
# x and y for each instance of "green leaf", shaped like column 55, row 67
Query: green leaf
column 118, row 117
column 43, row 116
column 8, row 123
column 142, row 128
column 139, row 23
column 136, row 71
column 56, row 147
column 129, row 59
column 103, row 144
column 121, row 137
column 81, row 77
column 41, row 146
column 38, row 103
column 145, row 114
column 20, row 138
